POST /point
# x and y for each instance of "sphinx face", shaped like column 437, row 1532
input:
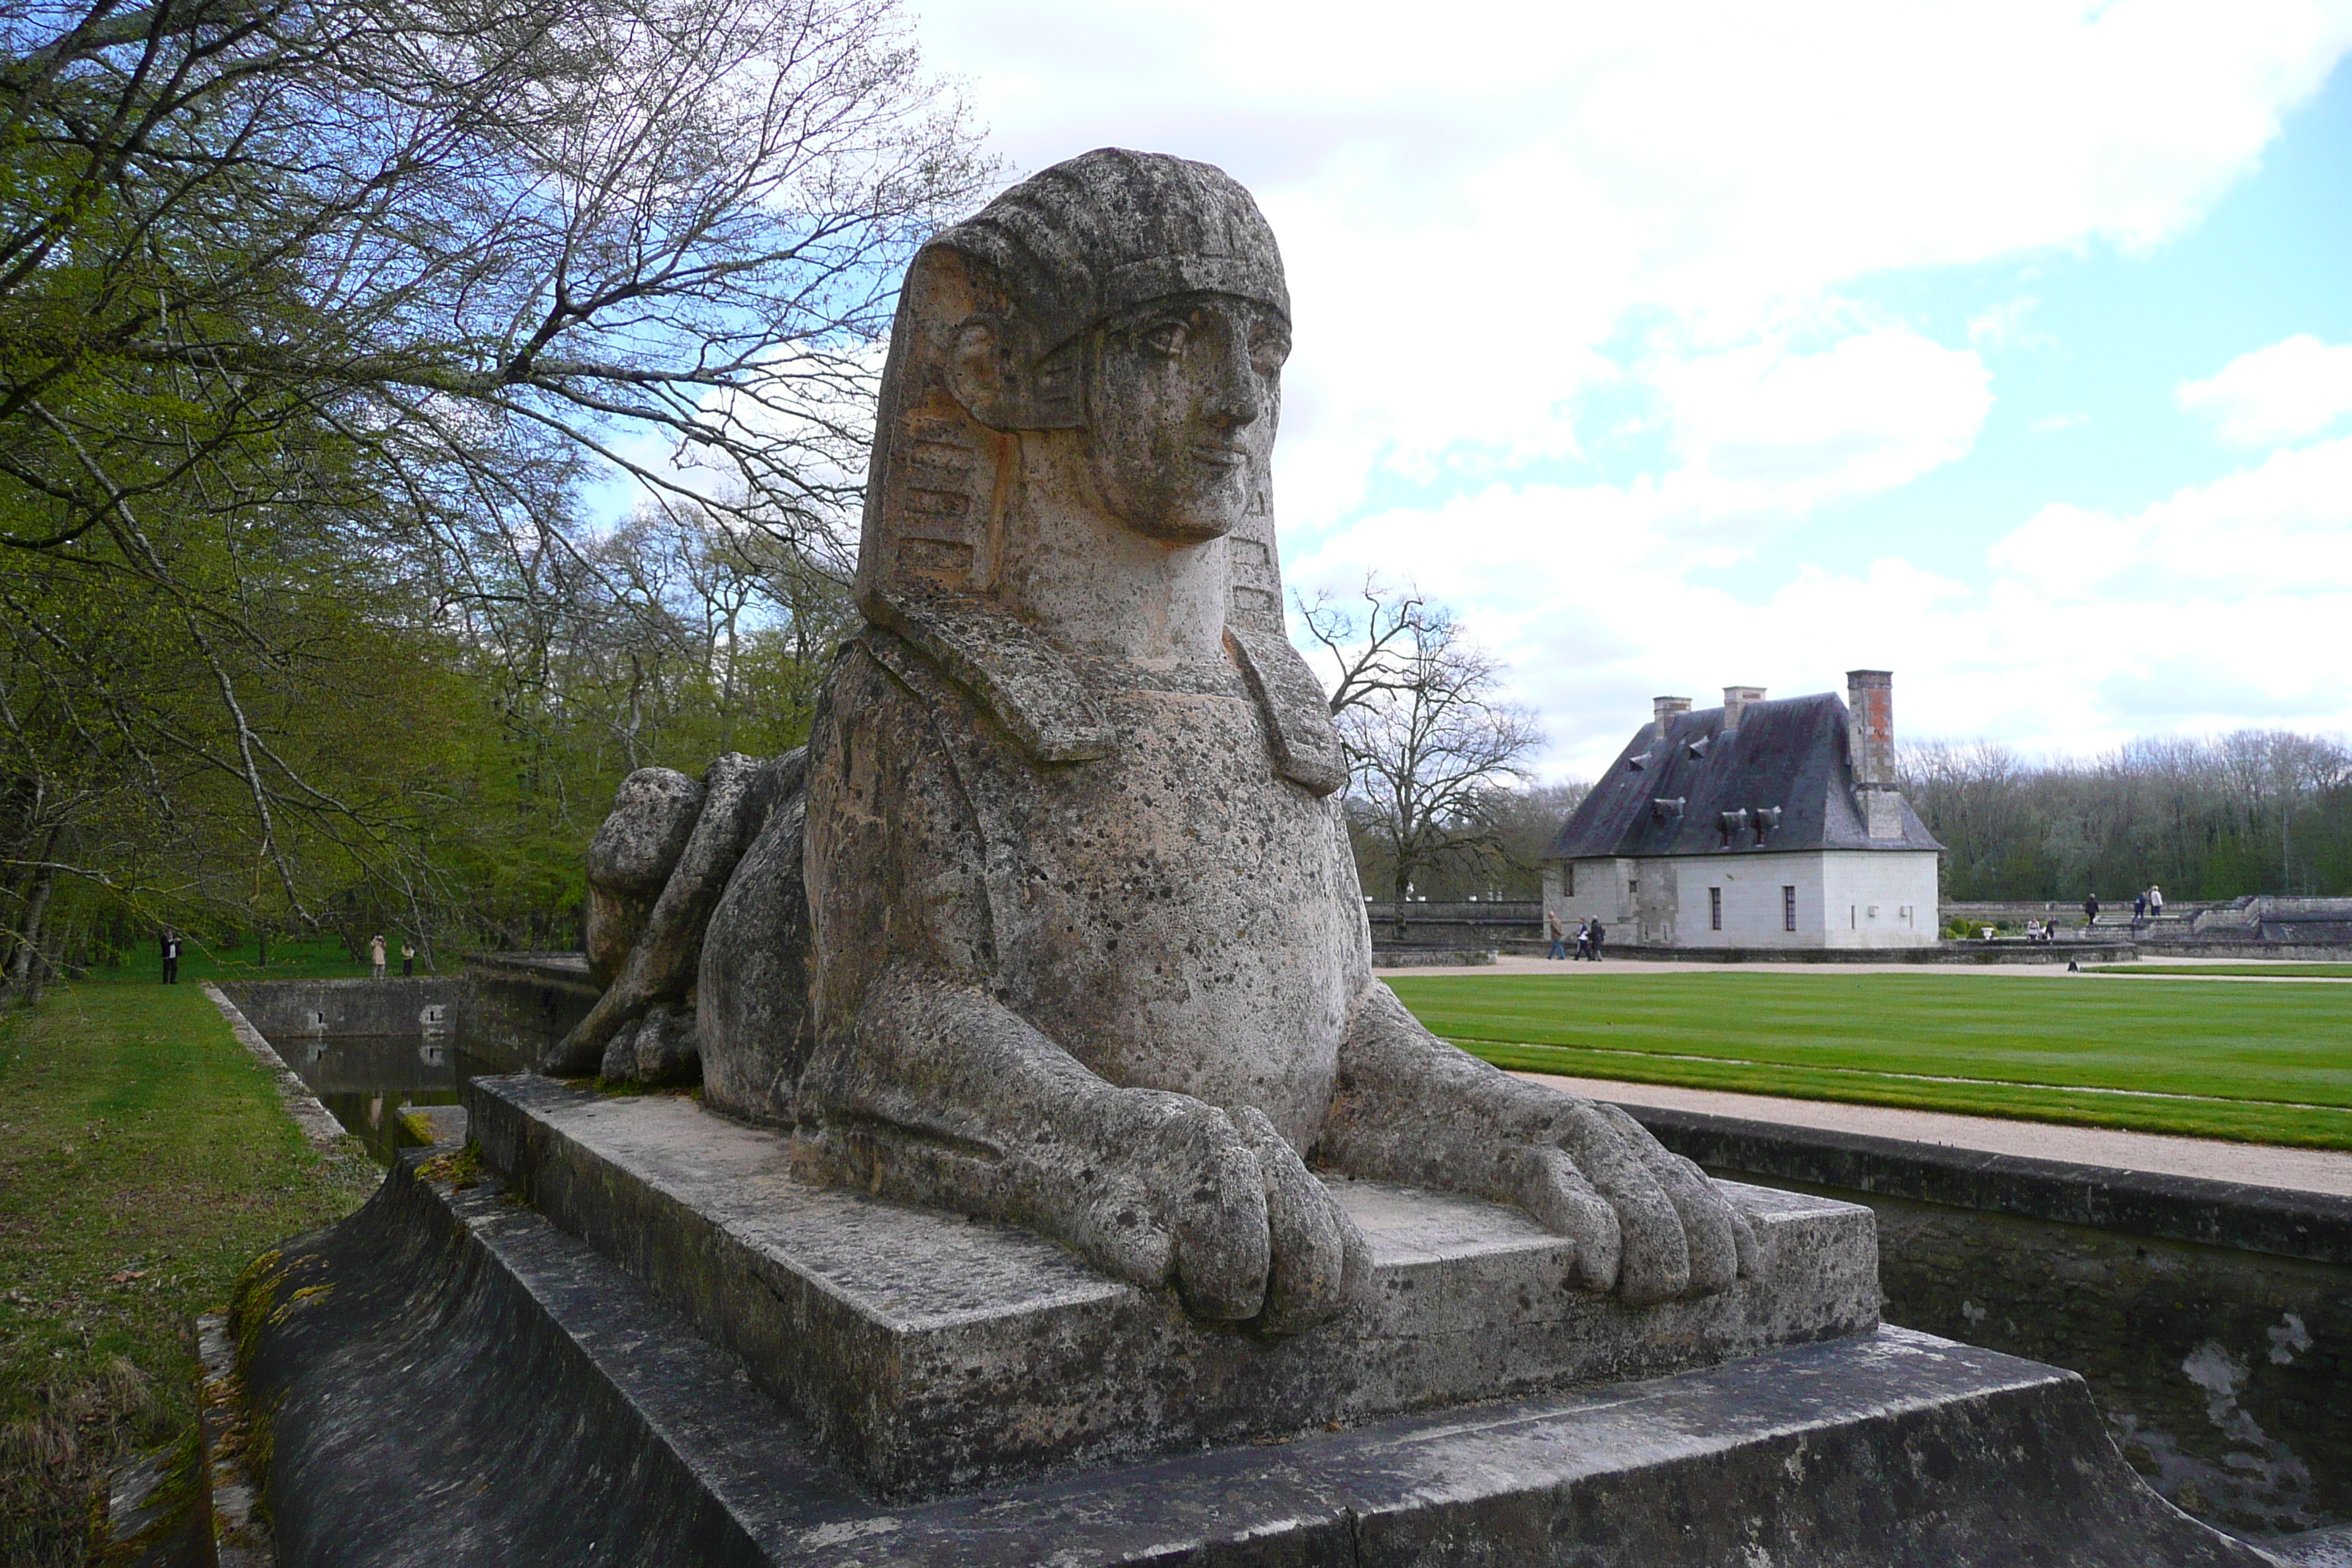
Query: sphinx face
column 1181, row 404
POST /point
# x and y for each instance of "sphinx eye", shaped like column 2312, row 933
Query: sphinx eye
column 1269, row 346
column 1167, row 338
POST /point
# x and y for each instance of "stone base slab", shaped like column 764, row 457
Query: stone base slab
column 928, row 1352
column 452, row 1380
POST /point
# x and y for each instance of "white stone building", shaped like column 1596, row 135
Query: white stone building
column 1755, row 825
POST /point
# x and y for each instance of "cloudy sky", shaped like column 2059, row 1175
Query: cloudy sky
column 2008, row 346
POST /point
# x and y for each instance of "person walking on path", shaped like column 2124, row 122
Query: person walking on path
column 1584, row 937
column 171, row 957
column 2091, row 910
column 2154, row 902
column 1558, row 937
column 1598, row 936
column 375, row 955
column 407, row 958
column 2139, row 910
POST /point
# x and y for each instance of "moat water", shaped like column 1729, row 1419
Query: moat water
column 365, row 1080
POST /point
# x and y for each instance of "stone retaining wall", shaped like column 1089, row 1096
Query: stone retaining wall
column 2213, row 1321
column 424, row 1003
column 1948, row 952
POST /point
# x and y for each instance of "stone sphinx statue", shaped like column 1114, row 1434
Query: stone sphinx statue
column 1054, row 918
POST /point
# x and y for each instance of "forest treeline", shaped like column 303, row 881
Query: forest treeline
column 2260, row 811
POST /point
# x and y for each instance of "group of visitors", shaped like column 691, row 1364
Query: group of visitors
column 171, row 946
column 1590, row 935
column 2147, row 905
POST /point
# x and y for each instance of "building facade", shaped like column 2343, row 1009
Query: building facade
column 1758, row 824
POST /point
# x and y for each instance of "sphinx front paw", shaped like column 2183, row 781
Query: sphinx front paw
column 1222, row 1208
column 1647, row 1224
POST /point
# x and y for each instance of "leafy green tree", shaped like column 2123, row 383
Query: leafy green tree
column 314, row 316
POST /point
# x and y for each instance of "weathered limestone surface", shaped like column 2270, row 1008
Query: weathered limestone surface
column 631, row 857
column 666, row 946
column 752, row 989
column 475, row 1386
column 1055, row 919
column 926, row 1352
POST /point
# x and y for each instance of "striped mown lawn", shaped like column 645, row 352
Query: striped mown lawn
column 2211, row 971
column 2269, row 1064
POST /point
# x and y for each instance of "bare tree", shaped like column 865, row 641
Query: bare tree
column 1368, row 650
column 1432, row 744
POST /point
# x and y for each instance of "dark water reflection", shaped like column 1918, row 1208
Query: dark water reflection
column 364, row 1079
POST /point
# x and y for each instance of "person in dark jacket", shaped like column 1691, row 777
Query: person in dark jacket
column 2091, row 910
column 171, row 958
column 1598, row 936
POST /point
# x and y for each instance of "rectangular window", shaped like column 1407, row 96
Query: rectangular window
column 1568, row 876
column 1715, row 908
column 1788, row 909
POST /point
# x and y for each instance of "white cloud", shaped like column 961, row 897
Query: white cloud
column 1473, row 207
column 2293, row 388
column 2282, row 527
column 1500, row 220
column 1874, row 411
column 2220, row 604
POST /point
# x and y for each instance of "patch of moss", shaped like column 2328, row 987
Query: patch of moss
column 460, row 1168
column 158, row 1515
column 623, row 1088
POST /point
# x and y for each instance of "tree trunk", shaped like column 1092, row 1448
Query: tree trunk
column 1403, row 886
column 24, row 970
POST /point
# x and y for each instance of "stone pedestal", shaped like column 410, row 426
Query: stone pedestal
column 928, row 1352
column 452, row 1379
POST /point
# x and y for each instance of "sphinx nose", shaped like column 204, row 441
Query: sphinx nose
column 1233, row 400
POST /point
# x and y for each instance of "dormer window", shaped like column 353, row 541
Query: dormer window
column 1696, row 749
column 1665, row 808
column 1732, row 825
column 1635, row 765
column 1768, row 818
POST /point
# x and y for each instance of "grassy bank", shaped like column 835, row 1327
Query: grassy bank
column 144, row 1158
column 308, row 958
column 2267, row 1064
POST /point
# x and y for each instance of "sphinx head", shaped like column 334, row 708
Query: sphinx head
column 1181, row 396
column 1135, row 301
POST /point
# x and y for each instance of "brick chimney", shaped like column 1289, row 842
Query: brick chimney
column 1736, row 700
column 1663, row 709
column 1870, row 721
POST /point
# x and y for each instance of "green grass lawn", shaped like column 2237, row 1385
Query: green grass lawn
column 2269, row 1064
column 2278, row 970
column 144, row 1159
column 308, row 958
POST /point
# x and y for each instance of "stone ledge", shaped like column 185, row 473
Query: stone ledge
column 929, row 1353
column 2314, row 1226
column 475, row 1387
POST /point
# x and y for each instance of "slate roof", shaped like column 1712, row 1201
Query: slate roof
column 1792, row 754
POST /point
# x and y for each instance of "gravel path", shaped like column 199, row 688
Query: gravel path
column 2258, row 1165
